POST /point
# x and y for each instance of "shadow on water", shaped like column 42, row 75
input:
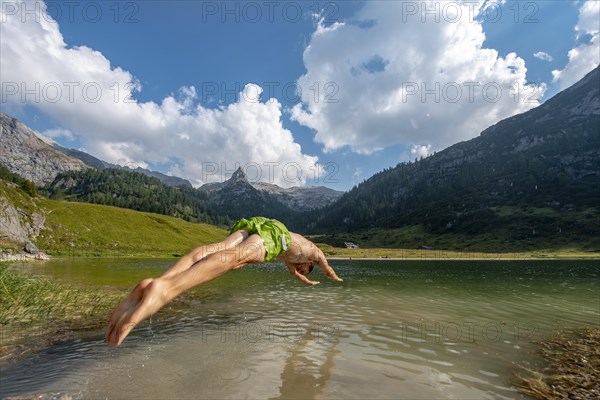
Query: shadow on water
column 304, row 376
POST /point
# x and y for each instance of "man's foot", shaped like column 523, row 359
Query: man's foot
column 147, row 298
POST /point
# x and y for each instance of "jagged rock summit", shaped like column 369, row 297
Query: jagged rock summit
column 299, row 198
column 237, row 177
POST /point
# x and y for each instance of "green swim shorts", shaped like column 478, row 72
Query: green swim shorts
column 275, row 235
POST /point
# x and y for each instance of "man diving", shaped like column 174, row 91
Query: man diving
column 251, row 241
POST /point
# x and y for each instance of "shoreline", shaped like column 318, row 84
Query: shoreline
column 550, row 258
column 26, row 257
column 23, row 257
column 457, row 256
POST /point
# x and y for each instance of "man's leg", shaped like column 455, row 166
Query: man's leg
column 150, row 295
column 203, row 251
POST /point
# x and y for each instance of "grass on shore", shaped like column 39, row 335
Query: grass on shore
column 37, row 310
column 90, row 229
column 414, row 242
column 572, row 368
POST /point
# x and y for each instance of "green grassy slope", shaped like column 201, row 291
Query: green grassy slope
column 88, row 229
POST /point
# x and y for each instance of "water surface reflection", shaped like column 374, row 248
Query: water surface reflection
column 392, row 330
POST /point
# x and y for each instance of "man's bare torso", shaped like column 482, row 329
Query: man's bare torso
column 300, row 251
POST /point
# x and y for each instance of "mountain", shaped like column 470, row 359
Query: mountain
column 529, row 180
column 62, row 173
column 38, row 158
column 298, row 198
column 125, row 188
column 537, row 173
column 24, row 153
column 237, row 198
column 301, row 198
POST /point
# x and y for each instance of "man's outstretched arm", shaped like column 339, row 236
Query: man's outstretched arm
column 321, row 260
column 300, row 277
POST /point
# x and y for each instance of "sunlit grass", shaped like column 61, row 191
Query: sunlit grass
column 89, row 229
column 33, row 307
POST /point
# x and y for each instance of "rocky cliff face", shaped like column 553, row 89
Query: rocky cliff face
column 301, row 198
column 561, row 134
column 39, row 159
column 25, row 154
column 21, row 220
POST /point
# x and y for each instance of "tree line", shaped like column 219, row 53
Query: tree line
column 126, row 189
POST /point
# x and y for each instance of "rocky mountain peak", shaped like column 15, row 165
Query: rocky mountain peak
column 238, row 176
column 24, row 153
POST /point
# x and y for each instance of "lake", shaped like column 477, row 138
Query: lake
column 392, row 329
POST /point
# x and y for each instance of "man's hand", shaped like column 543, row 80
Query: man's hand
column 332, row 275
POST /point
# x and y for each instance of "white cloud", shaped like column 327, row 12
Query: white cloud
column 80, row 89
column 357, row 175
column 589, row 18
column 436, row 82
column 543, row 56
column 585, row 57
column 59, row 133
column 421, row 151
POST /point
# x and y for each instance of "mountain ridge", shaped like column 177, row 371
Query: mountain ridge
column 24, row 153
column 535, row 175
column 40, row 159
column 546, row 157
column 299, row 198
column 18, row 138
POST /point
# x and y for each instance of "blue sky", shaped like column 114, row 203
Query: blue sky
column 360, row 56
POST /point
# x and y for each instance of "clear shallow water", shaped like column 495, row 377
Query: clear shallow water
column 392, row 329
